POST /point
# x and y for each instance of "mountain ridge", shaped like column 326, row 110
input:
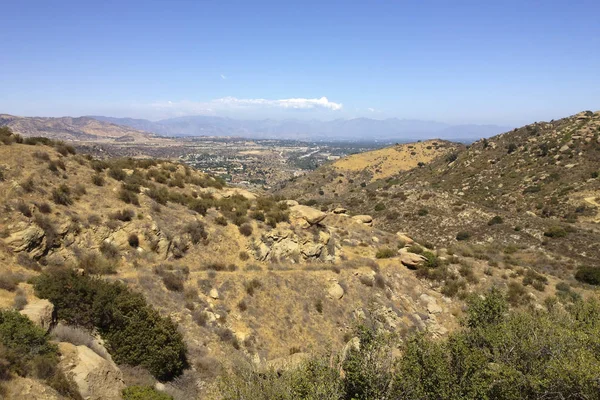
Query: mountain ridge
column 75, row 129
column 338, row 129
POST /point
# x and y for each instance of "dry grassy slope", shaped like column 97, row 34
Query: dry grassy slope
column 290, row 310
column 549, row 178
column 383, row 163
column 344, row 175
column 81, row 129
column 549, row 168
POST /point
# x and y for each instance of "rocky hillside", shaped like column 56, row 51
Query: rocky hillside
column 83, row 129
column 235, row 276
column 354, row 172
column 535, row 187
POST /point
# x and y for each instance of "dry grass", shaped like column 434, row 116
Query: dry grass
column 78, row 337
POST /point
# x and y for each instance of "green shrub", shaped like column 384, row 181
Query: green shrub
column 463, row 235
column 498, row 354
column 144, row 393
column 159, row 194
column 221, row 220
column 379, row 207
column 134, row 333
column 117, row 173
column 415, row 249
column 556, row 232
column 451, row 157
column 62, row 195
column 496, row 220
column 590, row 275
column 197, row 231
column 129, row 197
column 385, row 252
column 24, row 345
column 431, row 260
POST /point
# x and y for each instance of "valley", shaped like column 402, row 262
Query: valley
column 259, row 260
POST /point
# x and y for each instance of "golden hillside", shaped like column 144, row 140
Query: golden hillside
column 383, row 163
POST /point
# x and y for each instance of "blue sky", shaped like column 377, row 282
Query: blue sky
column 504, row 62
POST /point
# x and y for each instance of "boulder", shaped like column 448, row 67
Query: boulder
column 340, row 210
column 291, row 203
column 411, row 260
column 403, row 237
column 96, row 378
column 335, row 291
column 365, row 219
column 27, row 239
column 309, row 214
column 40, row 312
column 214, row 293
column 432, row 306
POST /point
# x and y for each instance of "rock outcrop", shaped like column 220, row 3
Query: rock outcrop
column 40, row 312
column 29, row 238
column 411, row 260
column 309, row 214
column 365, row 219
column 95, row 377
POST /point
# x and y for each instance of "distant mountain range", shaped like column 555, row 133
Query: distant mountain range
column 339, row 129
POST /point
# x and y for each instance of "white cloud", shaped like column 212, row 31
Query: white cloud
column 180, row 108
column 223, row 77
column 293, row 103
column 371, row 109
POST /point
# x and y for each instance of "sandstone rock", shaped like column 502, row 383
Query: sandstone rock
column 27, row 239
column 309, row 214
column 336, row 291
column 95, row 377
column 403, row 237
column 214, row 293
column 21, row 388
column 432, row 306
column 239, row 192
column 312, row 250
column 411, row 260
column 40, row 312
column 291, row 203
column 324, row 237
column 340, row 210
column 564, row 148
column 365, row 219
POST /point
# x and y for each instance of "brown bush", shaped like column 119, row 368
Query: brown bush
column 246, row 229
column 133, row 240
column 197, row 231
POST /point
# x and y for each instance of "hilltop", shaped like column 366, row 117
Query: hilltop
column 82, row 129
